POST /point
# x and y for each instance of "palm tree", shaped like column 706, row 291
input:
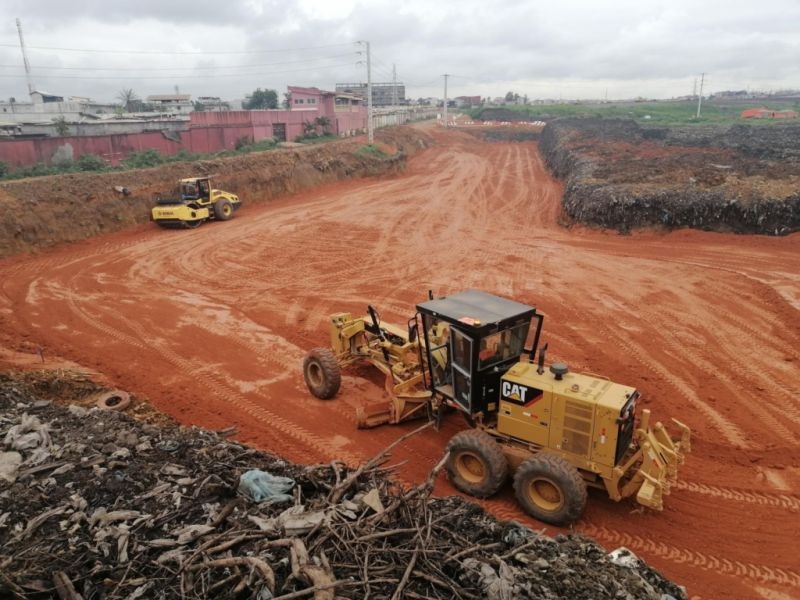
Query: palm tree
column 128, row 99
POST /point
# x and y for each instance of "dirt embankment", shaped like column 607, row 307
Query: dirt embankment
column 40, row 212
column 619, row 175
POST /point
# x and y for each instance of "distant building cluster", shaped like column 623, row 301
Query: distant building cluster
column 383, row 94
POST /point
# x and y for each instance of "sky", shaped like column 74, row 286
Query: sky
column 570, row 49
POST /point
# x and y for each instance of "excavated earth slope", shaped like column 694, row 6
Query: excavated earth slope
column 43, row 211
column 744, row 179
column 212, row 325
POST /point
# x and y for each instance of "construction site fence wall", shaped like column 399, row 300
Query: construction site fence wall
column 207, row 132
column 388, row 117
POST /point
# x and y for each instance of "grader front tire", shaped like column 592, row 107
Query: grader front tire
column 550, row 489
column 476, row 465
column 322, row 373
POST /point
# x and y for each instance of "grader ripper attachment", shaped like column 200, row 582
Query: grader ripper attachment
column 557, row 432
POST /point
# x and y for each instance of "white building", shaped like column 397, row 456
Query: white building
column 44, row 107
column 172, row 103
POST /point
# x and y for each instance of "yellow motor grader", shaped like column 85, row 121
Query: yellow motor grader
column 193, row 202
column 558, row 432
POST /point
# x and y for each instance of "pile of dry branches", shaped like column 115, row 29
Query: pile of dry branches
column 94, row 504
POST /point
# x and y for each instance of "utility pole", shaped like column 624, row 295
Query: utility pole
column 370, row 132
column 25, row 57
column 700, row 97
column 394, row 85
column 446, row 75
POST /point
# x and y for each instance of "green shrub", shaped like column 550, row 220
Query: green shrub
column 90, row 162
column 315, row 138
column 5, row 168
column 370, row 150
column 261, row 145
column 243, row 142
column 38, row 170
column 146, row 158
column 182, row 155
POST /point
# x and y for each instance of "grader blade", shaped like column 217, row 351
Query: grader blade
column 405, row 403
column 373, row 415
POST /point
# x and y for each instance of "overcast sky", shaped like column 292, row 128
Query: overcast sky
column 564, row 49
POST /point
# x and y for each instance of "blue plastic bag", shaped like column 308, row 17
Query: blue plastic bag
column 261, row 486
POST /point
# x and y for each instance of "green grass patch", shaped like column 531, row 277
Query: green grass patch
column 668, row 113
column 371, row 150
column 316, row 139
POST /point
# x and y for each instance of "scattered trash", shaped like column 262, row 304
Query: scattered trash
column 624, row 558
column 110, row 515
column 113, row 400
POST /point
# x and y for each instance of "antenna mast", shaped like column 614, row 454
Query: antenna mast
column 25, row 57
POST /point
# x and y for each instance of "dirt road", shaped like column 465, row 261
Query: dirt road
column 212, row 324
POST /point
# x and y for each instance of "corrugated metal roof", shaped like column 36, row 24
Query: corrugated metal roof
column 177, row 97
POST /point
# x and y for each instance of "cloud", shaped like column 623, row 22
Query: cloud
column 579, row 47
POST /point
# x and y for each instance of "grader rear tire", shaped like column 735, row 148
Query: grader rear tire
column 322, row 373
column 550, row 489
column 476, row 465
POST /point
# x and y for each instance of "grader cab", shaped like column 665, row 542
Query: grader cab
column 558, row 432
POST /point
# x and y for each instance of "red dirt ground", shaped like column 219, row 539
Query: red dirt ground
column 212, row 324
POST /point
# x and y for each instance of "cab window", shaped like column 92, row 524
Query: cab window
column 502, row 345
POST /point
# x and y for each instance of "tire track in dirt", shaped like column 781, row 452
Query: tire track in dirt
column 218, row 387
column 698, row 359
column 732, row 433
column 783, row 501
column 707, row 562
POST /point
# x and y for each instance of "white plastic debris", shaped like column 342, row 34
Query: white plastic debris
column 373, row 500
column 9, row 466
column 624, row 558
column 497, row 585
column 30, row 433
column 191, row 532
column 293, row 521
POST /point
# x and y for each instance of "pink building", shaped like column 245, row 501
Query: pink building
column 346, row 116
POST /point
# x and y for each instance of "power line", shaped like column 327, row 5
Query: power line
column 138, row 77
column 87, row 50
column 91, row 68
column 287, row 62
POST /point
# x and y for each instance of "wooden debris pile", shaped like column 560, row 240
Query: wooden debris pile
column 96, row 505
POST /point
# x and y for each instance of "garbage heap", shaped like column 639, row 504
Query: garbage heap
column 95, row 505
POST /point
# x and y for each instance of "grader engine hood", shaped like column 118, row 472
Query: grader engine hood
column 593, row 422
